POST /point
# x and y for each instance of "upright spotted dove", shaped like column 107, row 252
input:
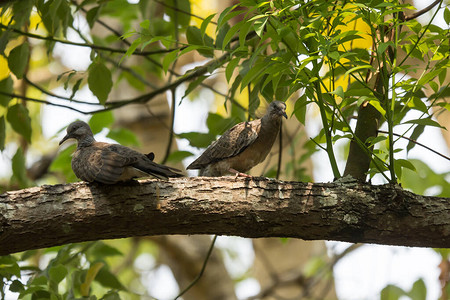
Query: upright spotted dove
column 110, row 163
column 243, row 146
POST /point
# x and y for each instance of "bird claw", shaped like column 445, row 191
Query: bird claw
column 239, row 174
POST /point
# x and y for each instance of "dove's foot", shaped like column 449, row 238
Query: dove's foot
column 239, row 174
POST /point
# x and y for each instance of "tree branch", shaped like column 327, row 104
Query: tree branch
column 259, row 207
column 88, row 45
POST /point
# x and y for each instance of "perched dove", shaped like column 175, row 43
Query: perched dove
column 110, row 163
column 243, row 146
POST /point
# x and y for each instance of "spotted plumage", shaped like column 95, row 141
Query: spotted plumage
column 243, row 146
column 110, row 163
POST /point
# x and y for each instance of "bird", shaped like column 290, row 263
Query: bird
column 243, row 146
column 107, row 163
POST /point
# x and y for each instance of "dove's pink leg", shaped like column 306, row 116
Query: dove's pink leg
column 231, row 170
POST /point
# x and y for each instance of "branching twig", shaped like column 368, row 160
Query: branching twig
column 211, row 247
column 13, row 95
column 47, row 92
column 423, row 11
column 300, row 278
column 417, row 143
column 88, row 45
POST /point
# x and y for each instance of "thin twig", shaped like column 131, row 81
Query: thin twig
column 417, row 143
column 173, row 93
column 280, row 144
column 300, row 279
column 12, row 95
column 119, row 35
column 423, row 11
column 47, row 92
column 205, row 262
column 88, row 45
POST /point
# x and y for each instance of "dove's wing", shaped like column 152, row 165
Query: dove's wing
column 230, row 144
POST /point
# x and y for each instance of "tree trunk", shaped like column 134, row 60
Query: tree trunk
column 53, row 215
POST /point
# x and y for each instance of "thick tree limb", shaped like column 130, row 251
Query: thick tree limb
column 53, row 215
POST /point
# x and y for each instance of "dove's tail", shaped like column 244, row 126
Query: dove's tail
column 157, row 170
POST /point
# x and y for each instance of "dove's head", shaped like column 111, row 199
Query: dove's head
column 80, row 131
column 277, row 109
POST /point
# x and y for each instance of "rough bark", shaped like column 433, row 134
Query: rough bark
column 53, row 215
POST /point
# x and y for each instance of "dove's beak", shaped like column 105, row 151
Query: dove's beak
column 65, row 139
column 284, row 114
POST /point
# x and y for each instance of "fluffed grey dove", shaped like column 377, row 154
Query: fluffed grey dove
column 243, row 146
column 110, row 163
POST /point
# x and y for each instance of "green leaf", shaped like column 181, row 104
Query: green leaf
column 228, row 14
column 255, row 72
column 374, row 140
column 100, row 81
column 195, row 37
column 169, row 59
column 61, row 164
column 92, row 16
column 377, row 105
column 229, row 70
column 205, row 23
column 418, row 291
column 131, row 49
column 178, row 156
column 100, row 121
column 417, row 132
column 21, row 12
column 181, row 15
column 218, row 124
column 76, row 87
column 100, row 250
column 18, row 59
column 57, row 273
column 383, row 46
column 221, row 35
column 198, row 139
column 391, row 292
column 425, row 122
column 20, row 121
column 40, row 280
column 109, row 280
column 4, row 39
column 300, row 109
column 6, row 86
column 405, row 164
column 230, row 34
column 111, row 295
column 193, row 84
column 447, row 15
column 243, row 32
column 9, row 267
column 367, row 66
column 339, row 91
column 418, row 104
column 123, row 136
column 2, row 133
column 259, row 26
column 429, row 76
column 16, row 286
column 19, row 169
column 419, row 182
